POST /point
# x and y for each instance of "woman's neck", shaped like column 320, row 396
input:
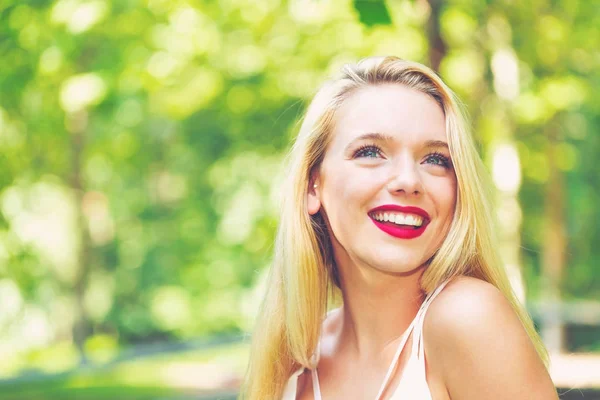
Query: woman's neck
column 378, row 308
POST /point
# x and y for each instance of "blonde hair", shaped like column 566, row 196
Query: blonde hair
column 289, row 323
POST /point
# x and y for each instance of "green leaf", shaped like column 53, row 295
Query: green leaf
column 372, row 12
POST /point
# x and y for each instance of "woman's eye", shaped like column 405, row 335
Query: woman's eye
column 368, row 151
column 438, row 159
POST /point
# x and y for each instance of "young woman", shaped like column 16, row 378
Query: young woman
column 385, row 203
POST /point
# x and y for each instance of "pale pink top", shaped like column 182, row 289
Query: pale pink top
column 413, row 383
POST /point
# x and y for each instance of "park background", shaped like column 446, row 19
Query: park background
column 141, row 149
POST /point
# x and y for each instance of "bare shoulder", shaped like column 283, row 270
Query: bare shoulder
column 329, row 333
column 467, row 301
column 469, row 314
column 479, row 345
column 332, row 321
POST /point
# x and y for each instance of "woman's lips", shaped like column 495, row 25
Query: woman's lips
column 402, row 232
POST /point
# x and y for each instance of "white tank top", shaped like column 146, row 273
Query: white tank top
column 413, row 383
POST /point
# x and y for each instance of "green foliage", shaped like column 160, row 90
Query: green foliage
column 372, row 12
column 142, row 143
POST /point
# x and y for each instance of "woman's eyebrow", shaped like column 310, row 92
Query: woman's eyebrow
column 435, row 144
column 375, row 136
column 380, row 137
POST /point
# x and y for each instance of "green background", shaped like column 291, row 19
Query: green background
column 140, row 154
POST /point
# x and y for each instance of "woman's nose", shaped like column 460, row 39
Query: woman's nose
column 405, row 178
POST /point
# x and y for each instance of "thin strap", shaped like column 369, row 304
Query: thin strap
column 315, row 378
column 405, row 336
column 316, row 386
column 292, row 386
column 417, row 345
column 414, row 325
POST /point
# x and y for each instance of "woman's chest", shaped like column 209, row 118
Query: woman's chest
column 410, row 380
column 336, row 379
column 357, row 385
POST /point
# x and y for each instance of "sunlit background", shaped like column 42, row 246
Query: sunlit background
column 141, row 145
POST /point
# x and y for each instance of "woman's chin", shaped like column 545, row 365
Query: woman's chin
column 399, row 266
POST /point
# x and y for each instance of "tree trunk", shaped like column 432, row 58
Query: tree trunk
column 554, row 248
column 437, row 47
column 77, row 125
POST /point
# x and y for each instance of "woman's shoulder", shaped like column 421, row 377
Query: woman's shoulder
column 475, row 340
column 332, row 321
column 329, row 334
column 467, row 305
column 466, row 297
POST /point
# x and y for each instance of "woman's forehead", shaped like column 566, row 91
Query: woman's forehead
column 391, row 110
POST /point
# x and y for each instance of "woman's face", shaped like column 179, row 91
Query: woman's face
column 386, row 186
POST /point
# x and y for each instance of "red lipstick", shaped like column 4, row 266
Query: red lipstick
column 402, row 232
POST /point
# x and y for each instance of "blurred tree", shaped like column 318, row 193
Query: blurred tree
column 554, row 41
column 437, row 47
column 141, row 142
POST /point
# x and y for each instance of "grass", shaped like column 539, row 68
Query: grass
column 194, row 374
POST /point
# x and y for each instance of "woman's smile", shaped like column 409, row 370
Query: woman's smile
column 400, row 222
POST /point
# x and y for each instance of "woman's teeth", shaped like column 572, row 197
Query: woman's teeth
column 399, row 218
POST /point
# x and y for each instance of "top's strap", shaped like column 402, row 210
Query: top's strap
column 395, row 359
column 316, row 386
column 418, row 334
column 417, row 326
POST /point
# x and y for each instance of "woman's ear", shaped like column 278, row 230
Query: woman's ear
column 313, row 197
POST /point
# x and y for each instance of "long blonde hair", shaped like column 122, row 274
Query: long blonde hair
column 289, row 323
